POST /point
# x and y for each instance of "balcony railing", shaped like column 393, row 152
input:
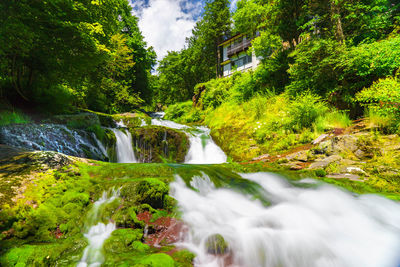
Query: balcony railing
column 238, row 47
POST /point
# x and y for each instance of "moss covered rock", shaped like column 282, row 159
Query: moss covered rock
column 156, row 143
column 216, row 245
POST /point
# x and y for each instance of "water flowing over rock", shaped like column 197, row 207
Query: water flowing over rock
column 52, row 137
column 203, row 149
column 97, row 232
column 312, row 225
column 157, row 143
column 124, row 146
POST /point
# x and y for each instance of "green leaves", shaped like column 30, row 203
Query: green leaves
column 49, row 46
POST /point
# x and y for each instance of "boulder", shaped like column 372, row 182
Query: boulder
column 157, row 143
column 349, row 176
column 216, row 245
column 298, row 156
column 323, row 163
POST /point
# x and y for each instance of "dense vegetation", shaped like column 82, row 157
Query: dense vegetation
column 322, row 64
column 59, row 55
column 180, row 71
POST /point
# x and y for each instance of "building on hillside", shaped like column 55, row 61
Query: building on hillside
column 233, row 55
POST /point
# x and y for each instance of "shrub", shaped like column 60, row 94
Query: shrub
column 178, row 110
column 383, row 97
column 331, row 120
column 8, row 117
column 304, row 111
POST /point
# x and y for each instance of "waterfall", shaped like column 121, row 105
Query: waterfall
column 52, row 137
column 124, row 146
column 97, row 232
column 313, row 225
column 100, row 145
column 203, row 149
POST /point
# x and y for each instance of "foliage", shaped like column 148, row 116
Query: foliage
column 180, row 71
column 8, row 117
column 383, row 97
column 97, row 68
column 183, row 112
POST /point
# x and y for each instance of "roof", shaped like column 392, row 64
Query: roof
column 234, row 37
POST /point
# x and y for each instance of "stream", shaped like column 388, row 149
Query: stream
column 307, row 225
column 275, row 224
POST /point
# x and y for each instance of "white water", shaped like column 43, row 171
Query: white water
column 97, row 232
column 203, row 149
column 124, row 146
column 169, row 124
column 100, row 145
column 314, row 227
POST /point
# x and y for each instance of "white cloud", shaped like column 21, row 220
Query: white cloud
column 166, row 24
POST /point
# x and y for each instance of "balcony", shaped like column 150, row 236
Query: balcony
column 238, row 47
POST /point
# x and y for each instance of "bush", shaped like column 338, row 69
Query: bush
column 304, row 111
column 383, row 97
column 183, row 112
column 331, row 120
column 177, row 110
column 8, row 117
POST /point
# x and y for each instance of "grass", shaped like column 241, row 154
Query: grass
column 13, row 117
column 331, row 120
column 271, row 124
column 387, row 123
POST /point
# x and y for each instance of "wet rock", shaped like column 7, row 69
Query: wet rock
column 157, row 143
column 52, row 137
column 216, row 245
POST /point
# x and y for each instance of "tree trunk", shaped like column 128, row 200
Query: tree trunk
column 337, row 21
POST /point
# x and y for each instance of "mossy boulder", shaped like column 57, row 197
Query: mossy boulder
column 123, row 240
column 216, row 245
column 157, row 143
column 147, row 191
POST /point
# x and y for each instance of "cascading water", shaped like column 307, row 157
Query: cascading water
column 203, row 149
column 97, row 232
column 100, row 145
column 306, row 226
column 52, row 137
column 124, row 146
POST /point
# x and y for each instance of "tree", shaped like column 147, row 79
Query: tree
column 52, row 52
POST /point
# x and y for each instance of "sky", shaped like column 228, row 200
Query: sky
column 165, row 24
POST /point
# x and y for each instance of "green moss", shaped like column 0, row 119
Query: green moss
column 183, row 258
column 158, row 260
column 123, row 240
column 61, row 253
column 157, row 144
